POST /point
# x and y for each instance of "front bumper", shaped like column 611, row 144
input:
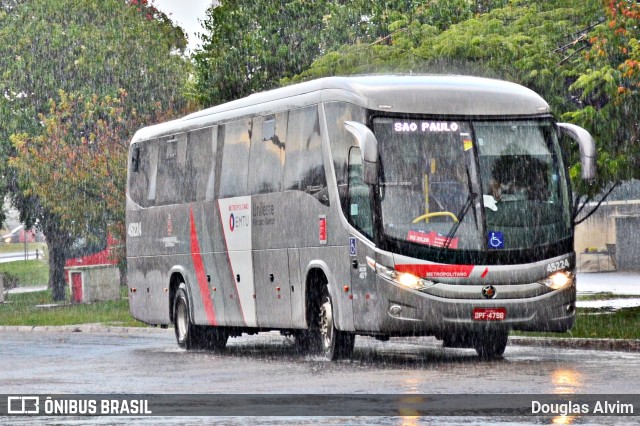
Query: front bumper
column 528, row 307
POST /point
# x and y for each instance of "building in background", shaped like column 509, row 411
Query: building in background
column 610, row 238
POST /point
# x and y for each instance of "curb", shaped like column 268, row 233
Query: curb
column 575, row 343
column 86, row 328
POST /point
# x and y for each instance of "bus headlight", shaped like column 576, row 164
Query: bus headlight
column 558, row 280
column 403, row 278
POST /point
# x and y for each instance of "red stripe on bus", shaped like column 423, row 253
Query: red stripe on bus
column 436, row 271
column 484, row 274
column 201, row 277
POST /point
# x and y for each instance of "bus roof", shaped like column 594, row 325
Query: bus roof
column 424, row 94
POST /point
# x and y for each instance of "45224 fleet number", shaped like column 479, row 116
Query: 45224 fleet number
column 558, row 266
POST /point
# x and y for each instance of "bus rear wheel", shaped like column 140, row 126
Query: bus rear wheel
column 336, row 344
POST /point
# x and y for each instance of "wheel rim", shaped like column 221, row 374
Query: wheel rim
column 181, row 320
column 326, row 324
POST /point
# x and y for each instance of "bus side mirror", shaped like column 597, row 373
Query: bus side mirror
column 587, row 148
column 368, row 149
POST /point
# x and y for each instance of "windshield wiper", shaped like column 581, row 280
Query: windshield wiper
column 463, row 212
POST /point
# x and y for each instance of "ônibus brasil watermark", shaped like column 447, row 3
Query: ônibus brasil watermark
column 320, row 405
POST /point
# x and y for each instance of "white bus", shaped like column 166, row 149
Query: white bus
column 376, row 205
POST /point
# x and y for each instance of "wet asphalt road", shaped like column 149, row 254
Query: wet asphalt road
column 151, row 362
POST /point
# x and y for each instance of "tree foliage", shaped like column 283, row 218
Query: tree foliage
column 78, row 157
column 581, row 56
column 65, row 66
column 608, row 86
column 250, row 46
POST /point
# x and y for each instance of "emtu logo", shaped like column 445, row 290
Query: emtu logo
column 232, row 222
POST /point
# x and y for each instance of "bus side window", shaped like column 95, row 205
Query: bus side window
column 144, row 169
column 138, row 179
column 340, row 141
column 267, row 159
column 172, row 179
column 235, row 158
column 359, row 198
column 201, row 162
column 135, row 159
column 304, row 169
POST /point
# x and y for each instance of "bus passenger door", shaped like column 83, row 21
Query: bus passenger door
column 359, row 214
column 363, row 286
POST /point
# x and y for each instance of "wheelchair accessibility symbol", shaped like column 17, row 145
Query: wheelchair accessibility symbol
column 353, row 248
column 496, row 240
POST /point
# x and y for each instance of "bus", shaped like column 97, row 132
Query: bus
column 381, row 205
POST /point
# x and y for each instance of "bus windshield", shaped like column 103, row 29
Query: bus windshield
column 432, row 182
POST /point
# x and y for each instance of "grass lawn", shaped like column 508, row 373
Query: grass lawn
column 22, row 310
column 600, row 324
column 607, row 296
column 28, row 272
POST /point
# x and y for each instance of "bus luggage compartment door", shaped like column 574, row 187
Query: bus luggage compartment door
column 273, row 292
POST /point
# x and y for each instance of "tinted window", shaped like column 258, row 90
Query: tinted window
column 359, row 199
column 521, row 171
column 425, row 181
column 200, row 163
column 304, row 170
column 142, row 182
column 340, row 141
column 138, row 170
column 266, row 164
column 172, row 178
column 235, row 158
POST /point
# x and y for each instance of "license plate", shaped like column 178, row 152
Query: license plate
column 489, row 314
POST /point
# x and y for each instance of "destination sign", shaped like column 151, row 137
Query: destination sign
column 425, row 126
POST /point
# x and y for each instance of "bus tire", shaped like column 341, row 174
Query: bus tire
column 491, row 344
column 187, row 333
column 336, row 344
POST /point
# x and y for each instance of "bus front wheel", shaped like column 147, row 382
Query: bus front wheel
column 336, row 344
column 190, row 336
column 186, row 332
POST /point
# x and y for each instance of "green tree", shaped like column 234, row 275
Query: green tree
column 397, row 37
column 584, row 67
column 89, row 50
column 77, row 161
column 249, row 46
column 608, row 87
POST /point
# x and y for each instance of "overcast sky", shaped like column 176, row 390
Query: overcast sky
column 186, row 13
